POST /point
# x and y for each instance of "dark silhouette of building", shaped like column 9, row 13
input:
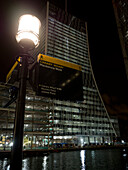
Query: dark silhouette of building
column 120, row 11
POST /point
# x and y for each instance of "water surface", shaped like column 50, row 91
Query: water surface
column 112, row 159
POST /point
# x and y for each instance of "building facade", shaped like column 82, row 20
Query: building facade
column 38, row 119
column 65, row 37
column 50, row 121
column 120, row 10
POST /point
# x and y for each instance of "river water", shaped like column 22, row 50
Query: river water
column 111, row 159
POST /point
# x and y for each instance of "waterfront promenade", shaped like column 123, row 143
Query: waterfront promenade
column 41, row 152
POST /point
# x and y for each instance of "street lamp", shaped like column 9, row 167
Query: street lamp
column 28, row 38
column 28, row 31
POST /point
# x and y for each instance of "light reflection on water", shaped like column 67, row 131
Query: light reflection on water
column 82, row 156
column 3, row 164
column 113, row 159
column 45, row 162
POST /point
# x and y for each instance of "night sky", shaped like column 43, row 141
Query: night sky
column 105, row 50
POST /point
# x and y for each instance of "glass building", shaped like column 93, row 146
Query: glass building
column 38, row 121
column 65, row 37
column 121, row 15
column 48, row 121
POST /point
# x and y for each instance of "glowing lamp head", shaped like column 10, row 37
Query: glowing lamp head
column 28, row 31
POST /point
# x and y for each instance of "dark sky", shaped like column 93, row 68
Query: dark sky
column 105, row 52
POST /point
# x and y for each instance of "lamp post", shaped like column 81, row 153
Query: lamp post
column 28, row 39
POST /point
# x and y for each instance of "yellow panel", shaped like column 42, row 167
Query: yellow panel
column 42, row 57
column 13, row 67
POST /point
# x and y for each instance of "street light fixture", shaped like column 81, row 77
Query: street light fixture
column 28, row 39
column 28, row 31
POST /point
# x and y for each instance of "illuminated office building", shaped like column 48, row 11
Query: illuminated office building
column 65, row 37
column 38, row 121
column 49, row 121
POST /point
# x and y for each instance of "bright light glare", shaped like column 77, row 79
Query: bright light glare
column 122, row 141
column 28, row 29
column 11, row 144
column 29, row 23
column 45, row 162
column 82, row 155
